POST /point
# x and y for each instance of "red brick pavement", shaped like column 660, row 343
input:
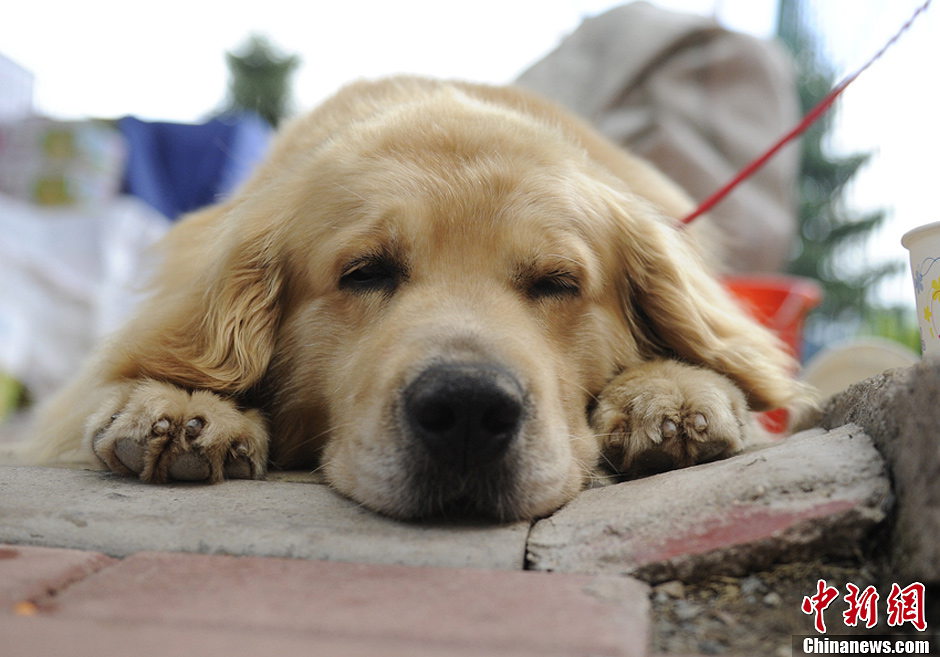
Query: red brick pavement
column 67, row 602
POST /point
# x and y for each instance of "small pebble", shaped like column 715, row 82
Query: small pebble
column 685, row 610
column 751, row 585
column 725, row 618
column 709, row 647
column 25, row 608
column 772, row 599
column 673, row 588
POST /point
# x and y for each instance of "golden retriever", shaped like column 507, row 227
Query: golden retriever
column 451, row 298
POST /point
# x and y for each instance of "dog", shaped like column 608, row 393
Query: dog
column 449, row 299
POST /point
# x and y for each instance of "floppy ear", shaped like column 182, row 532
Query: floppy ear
column 672, row 296
column 211, row 319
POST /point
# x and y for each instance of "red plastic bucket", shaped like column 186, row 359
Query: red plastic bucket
column 780, row 303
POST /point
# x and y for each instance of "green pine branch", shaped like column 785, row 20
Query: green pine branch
column 828, row 231
column 259, row 80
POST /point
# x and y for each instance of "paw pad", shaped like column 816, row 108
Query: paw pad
column 189, row 466
column 238, row 465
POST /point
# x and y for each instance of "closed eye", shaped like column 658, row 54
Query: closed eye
column 371, row 274
column 554, row 284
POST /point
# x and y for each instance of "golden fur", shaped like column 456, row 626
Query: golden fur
column 404, row 224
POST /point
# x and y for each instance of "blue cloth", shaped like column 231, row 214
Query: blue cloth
column 177, row 167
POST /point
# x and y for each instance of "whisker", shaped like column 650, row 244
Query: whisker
column 318, row 468
column 308, row 440
column 311, row 439
column 610, row 463
column 607, row 434
column 591, row 474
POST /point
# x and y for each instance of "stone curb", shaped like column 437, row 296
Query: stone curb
column 899, row 409
column 813, row 494
column 90, row 510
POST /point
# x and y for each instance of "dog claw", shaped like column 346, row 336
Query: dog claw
column 194, row 427
column 669, row 429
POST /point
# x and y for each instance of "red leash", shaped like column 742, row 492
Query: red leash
column 801, row 127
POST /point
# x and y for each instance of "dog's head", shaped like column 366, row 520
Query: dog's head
column 430, row 298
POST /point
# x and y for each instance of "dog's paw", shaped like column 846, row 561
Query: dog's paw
column 664, row 415
column 160, row 432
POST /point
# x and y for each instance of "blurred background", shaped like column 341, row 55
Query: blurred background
column 115, row 120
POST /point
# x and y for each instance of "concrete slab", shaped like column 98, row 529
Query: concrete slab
column 119, row 516
column 899, row 410
column 28, row 574
column 444, row 611
column 811, row 495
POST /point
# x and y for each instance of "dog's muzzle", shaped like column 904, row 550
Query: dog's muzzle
column 465, row 415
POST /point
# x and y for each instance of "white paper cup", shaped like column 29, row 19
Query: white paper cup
column 924, row 245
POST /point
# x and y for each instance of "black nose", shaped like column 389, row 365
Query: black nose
column 465, row 415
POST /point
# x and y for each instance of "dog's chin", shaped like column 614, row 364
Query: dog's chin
column 427, row 493
column 488, row 494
